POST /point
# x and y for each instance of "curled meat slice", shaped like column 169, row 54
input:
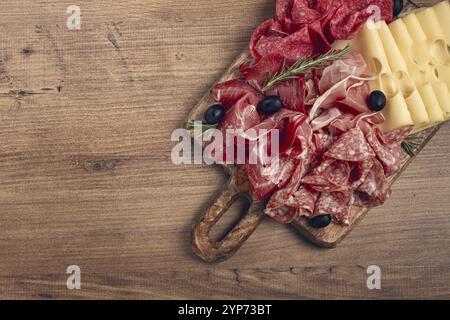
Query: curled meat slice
column 331, row 177
column 336, row 204
column 257, row 74
column 230, row 92
column 304, row 28
column 375, row 189
column 292, row 92
column 353, row 64
column 351, row 146
column 242, row 115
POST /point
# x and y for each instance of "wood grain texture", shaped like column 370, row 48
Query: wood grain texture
column 85, row 124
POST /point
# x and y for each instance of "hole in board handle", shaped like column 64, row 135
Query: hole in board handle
column 230, row 218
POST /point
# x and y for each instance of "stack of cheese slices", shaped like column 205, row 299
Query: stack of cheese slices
column 410, row 61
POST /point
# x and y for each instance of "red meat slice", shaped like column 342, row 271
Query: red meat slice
column 291, row 92
column 351, row 146
column 353, row 64
column 303, row 28
column 343, row 93
column 277, row 121
column 359, row 173
column 303, row 12
column 241, row 99
column 230, row 92
column 394, row 138
column 322, row 142
column 389, row 158
column 283, row 10
column 277, row 208
column 325, row 118
column 344, row 86
column 265, row 39
column 304, row 200
column 375, row 190
column 304, row 42
column 294, row 150
column 356, row 97
column 346, row 17
column 285, row 206
column 336, row 204
column 344, row 123
column 265, row 181
column 243, row 115
column 257, row 74
column 331, row 179
column 297, row 133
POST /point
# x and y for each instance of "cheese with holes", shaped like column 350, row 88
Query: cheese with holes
column 432, row 104
column 411, row 63
column 396, row 114
column 442, row 11
column 443, row 97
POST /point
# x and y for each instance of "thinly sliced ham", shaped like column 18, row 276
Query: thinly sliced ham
column 242, row 115
column 257, row 74
column 325, row 118
column 292, row 93
column 353, row 65
column 265, row 180
column 230, row 92
column 276, row 121
column 338, row 93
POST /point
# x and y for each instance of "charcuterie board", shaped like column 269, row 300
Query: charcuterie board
column 238, row 186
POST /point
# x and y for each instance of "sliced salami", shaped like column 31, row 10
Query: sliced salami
column 375, row 189
column 351, row 146
column 336, row 204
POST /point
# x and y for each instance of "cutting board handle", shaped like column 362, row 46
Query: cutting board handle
column 214, row 251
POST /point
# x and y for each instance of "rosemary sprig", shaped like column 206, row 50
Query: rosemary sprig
column 302, row 66
column 410, row 145
column 193, row 124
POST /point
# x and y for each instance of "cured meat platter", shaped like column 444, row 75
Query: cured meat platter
column 239, row 185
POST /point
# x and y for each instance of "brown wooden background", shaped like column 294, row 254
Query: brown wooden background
column 86, row 177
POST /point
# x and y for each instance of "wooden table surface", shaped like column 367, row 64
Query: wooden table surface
column 86, row 175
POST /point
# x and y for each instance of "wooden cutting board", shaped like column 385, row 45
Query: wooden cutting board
column 238, row 185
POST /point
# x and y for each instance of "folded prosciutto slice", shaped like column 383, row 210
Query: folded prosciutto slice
column 343, row 85
column 241, row 99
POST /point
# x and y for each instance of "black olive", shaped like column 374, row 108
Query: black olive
column 377, row 100
column 214, row 114
column 320, row 222
column 398, row 7
column 270, row 105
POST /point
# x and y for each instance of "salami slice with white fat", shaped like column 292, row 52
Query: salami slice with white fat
column 375, row 189
column 351, row 146
column 336, row 204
